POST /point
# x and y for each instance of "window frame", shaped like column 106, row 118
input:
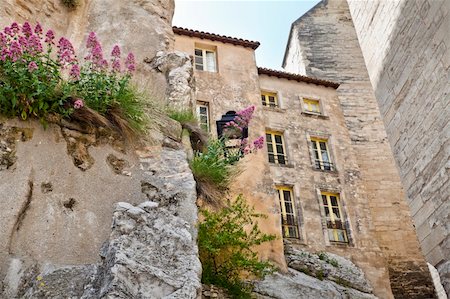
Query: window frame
column 266, row 102
column 330, row 218
column 204, row 50
column 309, row 101
column 199, row 105
column 274, row 148
column 319, row 164
column 285, row 232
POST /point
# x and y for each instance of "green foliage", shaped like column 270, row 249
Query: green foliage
column 71, row 3
column 111, row 95
column 225, row 247
column 212, row 170
column 182, row 116
column 322, row 256
column 28, row 93
column 333, row 262
column 320, row 274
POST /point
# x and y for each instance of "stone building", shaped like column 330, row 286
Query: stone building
column 399, row 62
column 406, row 47
column 327, row 179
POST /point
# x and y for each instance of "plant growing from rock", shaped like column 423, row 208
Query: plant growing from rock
column 71, row 3
column 40, row 76
column 225, row 240
column 215, row 168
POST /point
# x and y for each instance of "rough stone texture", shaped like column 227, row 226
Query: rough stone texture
column 324, row 43
column 295, row 284
column 150, row 254
column 406, row 47
column 328, row 266
column 177, row 68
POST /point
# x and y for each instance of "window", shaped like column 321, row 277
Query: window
column 203, row 115
column 269, row 99
column 288, row 213
column 334, row 218
column 275, row 148
column 205, row 60
column 311, row 106
column 321, row 153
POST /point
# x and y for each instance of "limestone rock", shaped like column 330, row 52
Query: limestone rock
column 150, row 254
column 177, row 67
column 297, row 285
column 328, row 266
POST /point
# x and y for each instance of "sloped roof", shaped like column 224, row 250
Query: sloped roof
column 296, row 77
column 216, row 37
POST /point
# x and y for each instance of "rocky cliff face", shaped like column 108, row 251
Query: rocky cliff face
column 65, row 185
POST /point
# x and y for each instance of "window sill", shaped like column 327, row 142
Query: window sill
column 282, row 165
column 334, row 171
column 274, row 109
column 315, row 115
column 339, row 244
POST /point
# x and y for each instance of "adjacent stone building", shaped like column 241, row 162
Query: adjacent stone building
column 406, row 48
column 327, row 178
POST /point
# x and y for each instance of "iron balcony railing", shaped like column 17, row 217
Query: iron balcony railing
column 324, row 165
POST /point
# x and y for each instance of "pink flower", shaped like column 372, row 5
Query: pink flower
column 259, row 143
column 91, row 41
column 130, row 63
column 15, row 51
column 32, row 66
column 8, row 31
column 78, row 104
column 26, row 29
column 66, row 53
column 15, row 27
column 34, row 44
column 75, row 72
column 116, row 52
column 116, row 65
column 38, row 29
column 49, row 37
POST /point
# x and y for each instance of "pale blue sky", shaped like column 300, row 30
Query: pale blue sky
column 268, row 22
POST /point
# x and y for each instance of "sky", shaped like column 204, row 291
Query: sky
column 267, row 22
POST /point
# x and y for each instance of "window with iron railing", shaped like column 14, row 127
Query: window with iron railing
column 322, row 158
column 334, row 218
column 269, row 99
column 289, row 222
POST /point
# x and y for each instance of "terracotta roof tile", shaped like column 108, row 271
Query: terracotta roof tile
column 216, row 37
column 296, row 77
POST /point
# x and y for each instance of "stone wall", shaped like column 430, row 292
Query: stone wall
column 406, row 47
column 326, row 43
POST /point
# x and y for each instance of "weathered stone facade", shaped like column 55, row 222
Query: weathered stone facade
column 381, row 237
column 323, row 43
column 406, row 47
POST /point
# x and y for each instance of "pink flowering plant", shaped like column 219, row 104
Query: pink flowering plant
column 29, row 76
column 234, row 130
column 215, row 168
column 40, row 75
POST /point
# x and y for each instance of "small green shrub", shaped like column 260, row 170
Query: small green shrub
column 182, row 116
column 212, row 171
column 225, row 248
column 71, row 3
column 320, row 274
column 333, row 262
column 322, row 256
